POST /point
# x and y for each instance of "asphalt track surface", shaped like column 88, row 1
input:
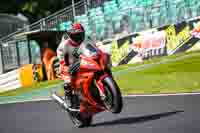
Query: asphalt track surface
column 154, row 114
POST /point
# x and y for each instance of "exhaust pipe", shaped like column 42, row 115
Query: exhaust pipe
column 59, row 100
column 62, row 103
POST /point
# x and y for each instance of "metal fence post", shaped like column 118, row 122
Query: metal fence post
column 29, row 51
column 18, row 56
column 73, row 9
column 86, row 6
column 1, row 60
column 42, row 24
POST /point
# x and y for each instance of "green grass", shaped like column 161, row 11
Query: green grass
column 172, row 77
column 154, row 60
column 41, row 85
column 178, row 76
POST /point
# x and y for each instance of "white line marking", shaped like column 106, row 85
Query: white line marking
column 126, row 96
column 33, row 100
column 135, row 68
column 159, row 95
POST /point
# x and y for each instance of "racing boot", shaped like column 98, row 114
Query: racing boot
column 68, row 94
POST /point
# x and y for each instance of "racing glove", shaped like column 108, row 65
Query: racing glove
column 76, row 53
column 56, row 66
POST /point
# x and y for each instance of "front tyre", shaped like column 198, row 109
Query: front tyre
column 113, row 100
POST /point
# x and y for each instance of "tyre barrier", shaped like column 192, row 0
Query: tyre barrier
column 10, row 81
column 25, row 76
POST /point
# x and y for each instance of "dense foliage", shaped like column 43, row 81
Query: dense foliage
column 33, row 9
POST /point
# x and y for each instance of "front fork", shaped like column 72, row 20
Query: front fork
column 101, row 87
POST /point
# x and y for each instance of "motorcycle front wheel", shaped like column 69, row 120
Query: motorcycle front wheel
column 113, row 100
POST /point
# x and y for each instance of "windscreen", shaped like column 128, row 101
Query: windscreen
column 89, row 50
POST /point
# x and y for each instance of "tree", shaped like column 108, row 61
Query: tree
column 33, row 9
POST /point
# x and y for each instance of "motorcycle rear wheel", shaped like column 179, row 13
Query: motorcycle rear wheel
column 79, row 121
column 113, row 100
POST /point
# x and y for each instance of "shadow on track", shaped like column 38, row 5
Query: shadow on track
column 132, row 120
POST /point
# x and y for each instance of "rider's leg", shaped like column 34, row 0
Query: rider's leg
column 67, row 84
column 68, row 92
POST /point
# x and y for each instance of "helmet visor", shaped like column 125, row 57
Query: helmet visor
column 77, row 37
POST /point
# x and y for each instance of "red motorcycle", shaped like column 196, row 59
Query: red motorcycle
column 96, row 90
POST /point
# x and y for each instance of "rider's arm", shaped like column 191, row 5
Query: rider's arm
column 60, row 51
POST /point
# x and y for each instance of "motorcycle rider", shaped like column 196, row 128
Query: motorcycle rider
column 68, row 54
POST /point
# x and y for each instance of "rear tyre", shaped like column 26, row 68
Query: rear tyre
column 79, row 121
column 113, row 100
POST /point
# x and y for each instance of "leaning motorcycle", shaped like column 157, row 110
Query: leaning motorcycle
column 95, row 89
